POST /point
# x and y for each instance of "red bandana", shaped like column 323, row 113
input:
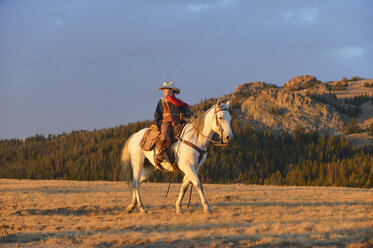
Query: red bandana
column 175, row 101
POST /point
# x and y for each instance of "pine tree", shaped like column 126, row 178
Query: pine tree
column 353, row 126
column 370, row 129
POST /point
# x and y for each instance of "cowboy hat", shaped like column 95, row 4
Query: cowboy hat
column 170, row 85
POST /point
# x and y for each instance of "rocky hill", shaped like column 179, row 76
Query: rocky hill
column 306, row 102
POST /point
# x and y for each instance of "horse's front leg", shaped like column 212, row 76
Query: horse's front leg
column 204, row 202
column 191, row 174
column 183, row 189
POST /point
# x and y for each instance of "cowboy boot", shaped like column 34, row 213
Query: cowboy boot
column 170, row 155
column 160, row 156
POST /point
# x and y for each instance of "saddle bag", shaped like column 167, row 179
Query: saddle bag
column 147, row 142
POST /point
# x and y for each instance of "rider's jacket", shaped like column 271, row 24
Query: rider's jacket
column 170, row 113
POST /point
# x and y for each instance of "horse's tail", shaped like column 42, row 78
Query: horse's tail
column 125, row 162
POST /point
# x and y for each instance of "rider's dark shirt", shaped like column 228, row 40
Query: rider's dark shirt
column 175, row 110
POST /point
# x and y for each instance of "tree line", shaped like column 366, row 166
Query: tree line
column 254, row 157
column 301, row 158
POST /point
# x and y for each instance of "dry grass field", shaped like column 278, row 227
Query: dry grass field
column 46, row 213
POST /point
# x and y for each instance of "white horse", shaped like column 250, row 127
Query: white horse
column 190, row 154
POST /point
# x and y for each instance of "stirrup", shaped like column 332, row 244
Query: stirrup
column 156, row 161
column 159, row 159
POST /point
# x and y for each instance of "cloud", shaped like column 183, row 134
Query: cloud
column 197, row 7
column 349, row 52
column 226, row 2
column 204, row 6
column 305, row 15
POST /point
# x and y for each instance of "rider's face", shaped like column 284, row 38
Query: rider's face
column 168, row 92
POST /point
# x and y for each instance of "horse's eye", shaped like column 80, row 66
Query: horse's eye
column 220, row 118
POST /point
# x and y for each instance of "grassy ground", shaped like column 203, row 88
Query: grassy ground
column 46, row 213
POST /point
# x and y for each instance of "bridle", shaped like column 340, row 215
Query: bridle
column 219, row 126
column 215, row 143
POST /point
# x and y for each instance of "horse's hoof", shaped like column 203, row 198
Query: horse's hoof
column 143, row 210
column 208, row 211
column 129, row 209
column 179, row 211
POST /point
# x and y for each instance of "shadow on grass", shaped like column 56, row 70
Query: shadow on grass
column 53, row 190
column 292, row 204
column 84, row 210
column 40, row 236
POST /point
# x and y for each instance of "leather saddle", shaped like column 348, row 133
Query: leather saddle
column 148, row 140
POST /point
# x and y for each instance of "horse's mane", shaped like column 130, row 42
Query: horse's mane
column 199, row 123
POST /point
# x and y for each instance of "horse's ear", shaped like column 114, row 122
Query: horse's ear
column 228, row 104
column 218, row 103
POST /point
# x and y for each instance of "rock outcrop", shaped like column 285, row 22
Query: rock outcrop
column 301, row 82
column 279, row 109
column 303, row 102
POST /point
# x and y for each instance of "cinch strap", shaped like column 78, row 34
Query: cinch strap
column 201, row 152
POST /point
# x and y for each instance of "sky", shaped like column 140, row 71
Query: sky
column 89, row 64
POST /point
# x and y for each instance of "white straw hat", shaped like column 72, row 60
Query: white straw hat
column 170, row 85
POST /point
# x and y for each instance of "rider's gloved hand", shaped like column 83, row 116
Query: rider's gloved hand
column 191, row 114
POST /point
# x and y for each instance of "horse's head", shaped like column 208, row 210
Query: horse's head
column 221, row 121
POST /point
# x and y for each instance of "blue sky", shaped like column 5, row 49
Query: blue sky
column 87, row 64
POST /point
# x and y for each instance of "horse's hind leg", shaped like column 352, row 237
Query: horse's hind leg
column 138, row 197
column 137, row 163
column 137, row 169
column 183, row 189
column 133, row 202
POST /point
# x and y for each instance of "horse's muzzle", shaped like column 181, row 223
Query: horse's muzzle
column 227, row 139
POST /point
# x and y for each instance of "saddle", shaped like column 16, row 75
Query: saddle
column 149, row 138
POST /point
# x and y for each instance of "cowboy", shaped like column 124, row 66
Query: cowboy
column 168, row 117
